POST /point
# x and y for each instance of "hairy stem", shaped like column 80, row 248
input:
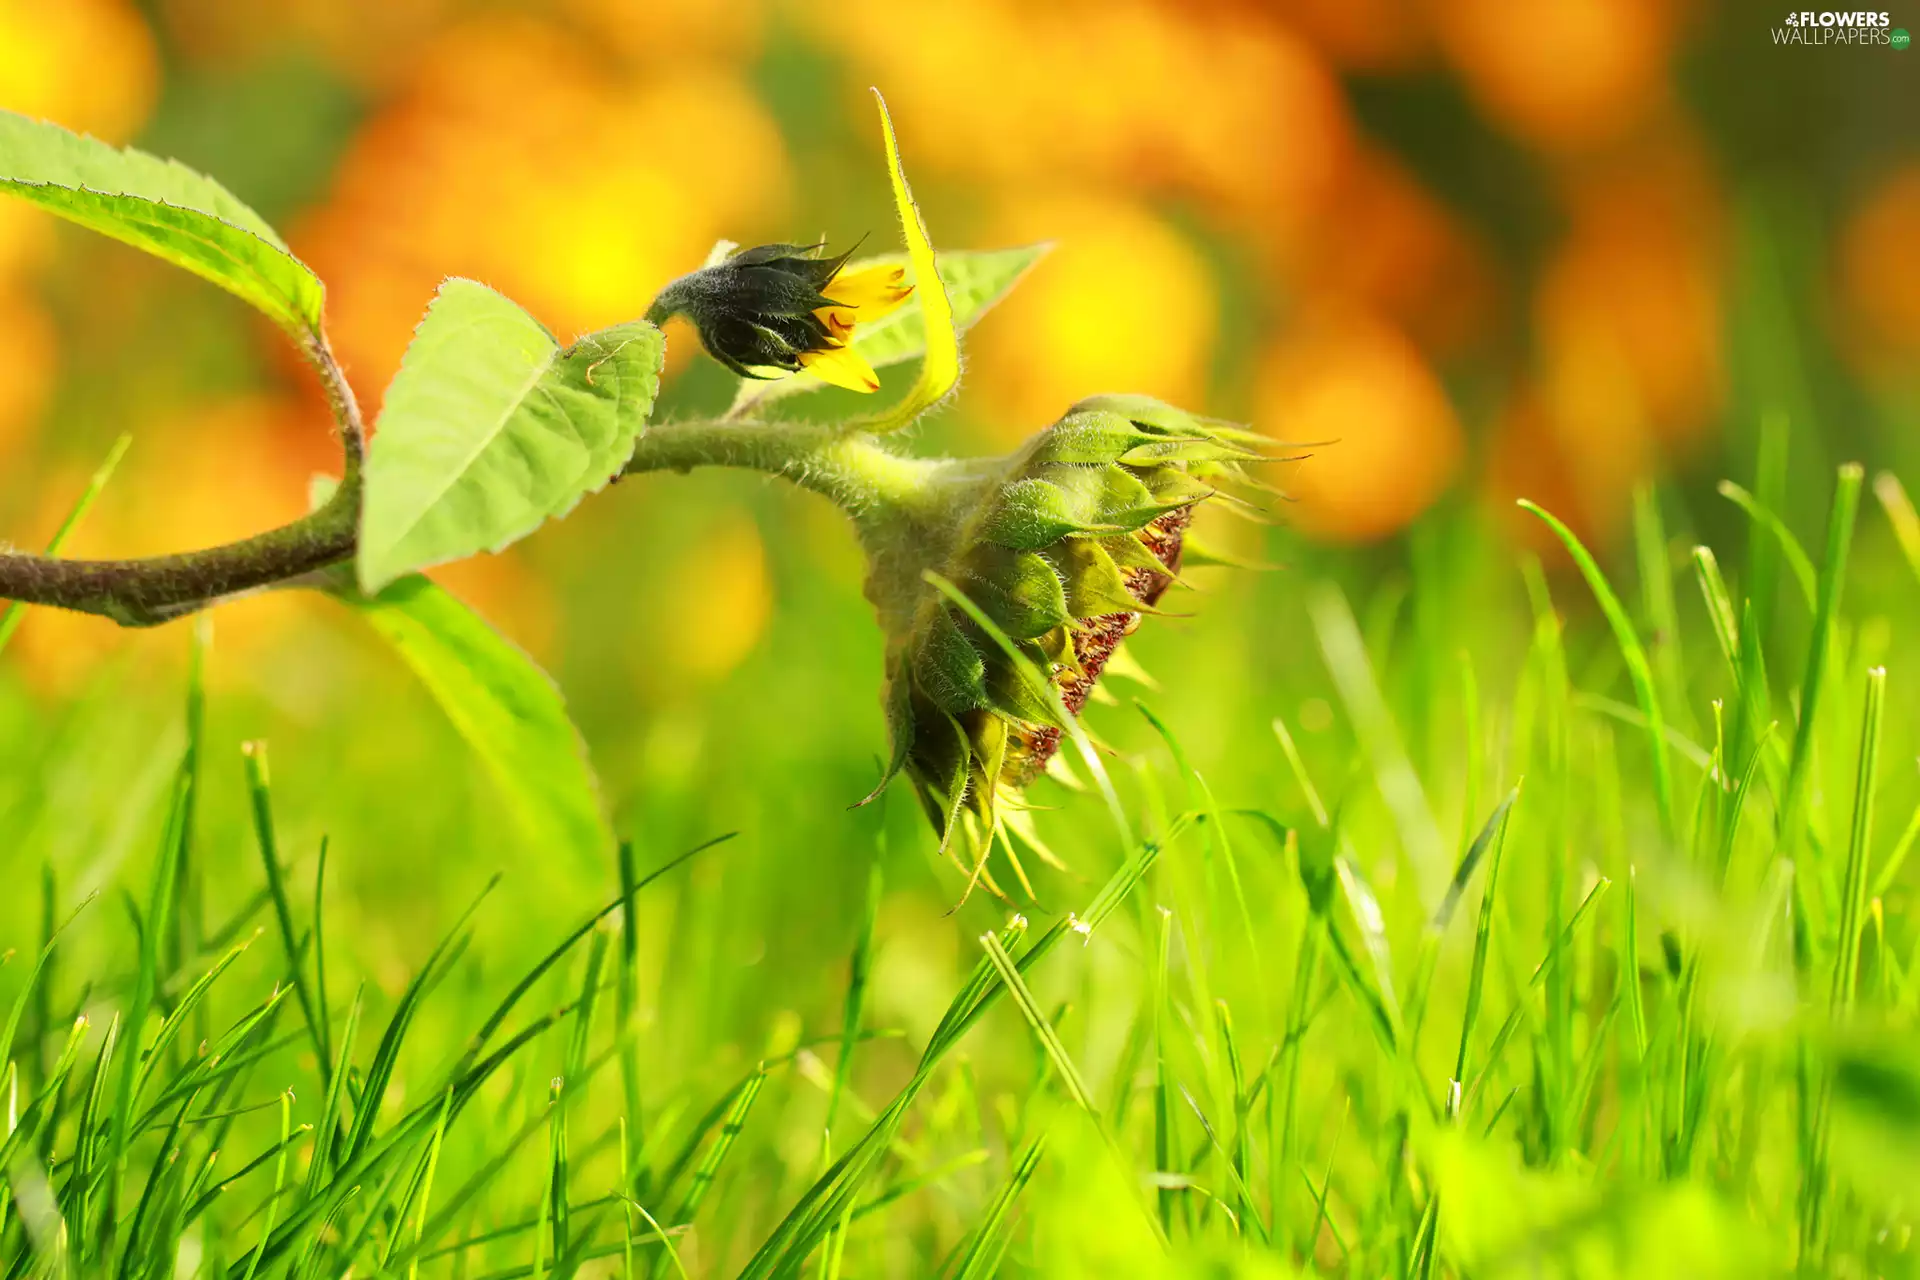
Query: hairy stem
column 145, row 592
column 156, row 589
column 880, row 489
column 856, row 471
column 346, row 409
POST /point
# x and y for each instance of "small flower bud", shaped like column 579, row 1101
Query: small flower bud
column 780, row 308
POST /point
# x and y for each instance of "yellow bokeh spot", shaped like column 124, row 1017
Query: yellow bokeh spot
column 1392, row 441
column 1124, row 303
column 712, row 607
column 87, row 64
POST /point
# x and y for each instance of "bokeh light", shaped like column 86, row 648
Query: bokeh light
column 1483, row 252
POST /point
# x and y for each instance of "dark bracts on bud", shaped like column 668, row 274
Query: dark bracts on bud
column 755, row 311
column 1066, row 548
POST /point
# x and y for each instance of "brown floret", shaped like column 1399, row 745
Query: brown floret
column 1094, row 643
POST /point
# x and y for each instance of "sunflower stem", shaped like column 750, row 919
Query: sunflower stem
column 857, row 472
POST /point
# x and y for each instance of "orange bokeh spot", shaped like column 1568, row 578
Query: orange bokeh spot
column 1123, row 303
column 1224, row 104
column 369, row 42
column 1392, row 441
column 515, row 158
column 1628, row 311
column 1880, row 277
column 1375, row 36
column 647, row 31
column 214, row 474
column 1585, row 478
column 1386, row 245
column 1567, row 75
column 28, row 357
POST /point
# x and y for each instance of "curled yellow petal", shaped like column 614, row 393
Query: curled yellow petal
column 843, row 367
column 870, row 291
column 940, row 368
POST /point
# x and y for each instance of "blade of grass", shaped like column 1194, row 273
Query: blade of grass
column 986, row 1243
column 823, row 1204
column 1818, row 1189
column 1508, row 1027
column 859, row 968
column 708, row 1169
column 626, row 1000
column 1657, row 595
column 1493, row 834
column 1720, row 611
column 15, row 610
column 1896, row 857
column 1635, row 655
column 279, row 1181
column 1353, row 676
column 260, row 796
column 1901, row 515
column 1796, row 555
column 160, row 896
column 1846, row 501
column 1163, row 1137
column 1057, row 1054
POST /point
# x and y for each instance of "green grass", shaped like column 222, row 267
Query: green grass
column 1478, row 918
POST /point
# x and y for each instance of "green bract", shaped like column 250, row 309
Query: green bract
column 1062, row 546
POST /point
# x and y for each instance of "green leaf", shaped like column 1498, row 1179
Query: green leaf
column 952, row 672
column 1110, row 496
column 976, row 280
column 491, row 428
column 166, row 209
column 1019, row 590
column 1033, row 513
column 506, row 708
column 1094, row 582
column 1091, row 437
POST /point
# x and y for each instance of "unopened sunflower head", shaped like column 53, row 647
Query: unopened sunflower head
column 1064, row 548
column 782, row 308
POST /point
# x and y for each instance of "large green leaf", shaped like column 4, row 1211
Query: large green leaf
column 975, row 281
column 163, row 207
column 506, row 708
column 492, row 428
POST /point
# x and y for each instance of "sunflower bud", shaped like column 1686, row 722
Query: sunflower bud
column 781, row 308
column 1064, row 547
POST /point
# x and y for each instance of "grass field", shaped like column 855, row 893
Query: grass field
column 1483, row 919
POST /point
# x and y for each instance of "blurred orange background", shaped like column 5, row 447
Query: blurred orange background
column 1489, row 249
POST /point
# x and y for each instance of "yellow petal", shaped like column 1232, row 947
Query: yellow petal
column 839, row 322
column 843, row 367
column 940, row 368
column 871, row 291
